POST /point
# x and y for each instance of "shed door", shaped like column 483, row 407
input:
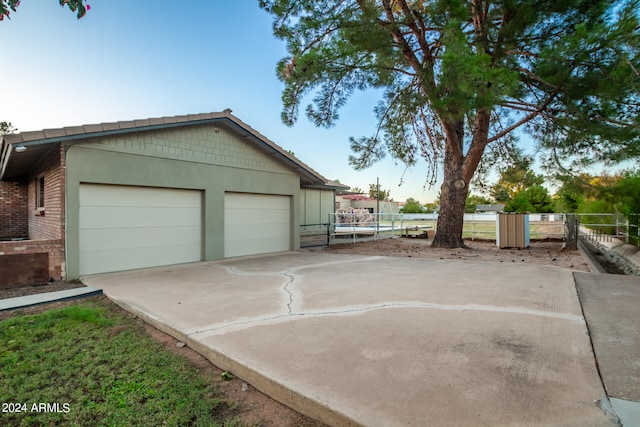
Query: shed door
column 124, row 228
column 256, row 224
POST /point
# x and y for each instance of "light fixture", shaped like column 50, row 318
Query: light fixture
column 21, row 148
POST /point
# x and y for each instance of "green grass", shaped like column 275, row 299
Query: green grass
column 101, row 369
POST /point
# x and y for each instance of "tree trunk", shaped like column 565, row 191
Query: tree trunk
column 458, row 171
column 453, row 193
column 453, row 196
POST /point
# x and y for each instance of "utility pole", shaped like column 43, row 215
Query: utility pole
column 377, row 203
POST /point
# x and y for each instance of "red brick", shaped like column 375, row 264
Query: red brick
column 55, row 249
column 19, row 216
column 49, row 225
column 13, row 209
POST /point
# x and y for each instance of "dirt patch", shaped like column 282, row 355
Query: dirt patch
column 544, row 252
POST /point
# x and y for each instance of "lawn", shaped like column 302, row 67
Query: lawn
column 89, row 364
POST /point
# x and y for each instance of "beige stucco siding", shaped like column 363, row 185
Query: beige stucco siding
column 154, row 159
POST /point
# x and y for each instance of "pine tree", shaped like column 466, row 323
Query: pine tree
column 460, row 76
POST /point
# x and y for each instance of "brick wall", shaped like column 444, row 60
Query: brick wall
column 44, row 228
column 47, row 224
column 55, row 249
column 13, row 209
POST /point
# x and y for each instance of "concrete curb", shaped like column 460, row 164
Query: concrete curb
column 625, row 255
column 591, row 261
column 45, row 298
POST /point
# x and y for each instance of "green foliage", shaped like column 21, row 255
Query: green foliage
column 356, row 190
column 521, row 189
column 534, row 199
column 569, row 63
column 518, row 204
column 412, row 206
column 612, row 194
column 627, row 192
column 597, row 206
column 104, row 367
column 7, row 128
column 377, row 193
column 573, row 192
column 78, row 6
column 431, row 207
column 515, row 179
column 597, row 118
column 473, row 200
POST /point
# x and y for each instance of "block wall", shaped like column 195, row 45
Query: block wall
column 55, row 249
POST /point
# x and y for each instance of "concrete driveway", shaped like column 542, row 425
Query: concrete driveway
column 384, row 341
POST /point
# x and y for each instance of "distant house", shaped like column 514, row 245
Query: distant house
column 495, row 208
column 161, row 191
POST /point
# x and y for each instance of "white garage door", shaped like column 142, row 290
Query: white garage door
column 124, row 228
column 256, row 224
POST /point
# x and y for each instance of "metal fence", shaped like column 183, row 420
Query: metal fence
column 352, row 227
column 633, row 232
column 314, row 235
column 607, row 227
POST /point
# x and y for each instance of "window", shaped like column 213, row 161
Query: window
column 40, row 192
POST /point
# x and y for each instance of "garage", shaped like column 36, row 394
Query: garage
column 128, row 227
column 141, row 193
column 256, row 223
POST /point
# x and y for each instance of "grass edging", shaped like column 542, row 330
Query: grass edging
column 91, row 364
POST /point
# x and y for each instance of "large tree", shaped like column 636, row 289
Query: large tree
column 460, row 77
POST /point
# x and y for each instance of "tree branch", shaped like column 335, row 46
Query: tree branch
column 526, row 119
column 535, row 77
column 407, row 51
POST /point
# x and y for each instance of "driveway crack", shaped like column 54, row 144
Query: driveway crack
column 289, row 282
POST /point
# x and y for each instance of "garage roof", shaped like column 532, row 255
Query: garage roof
column 20, row 152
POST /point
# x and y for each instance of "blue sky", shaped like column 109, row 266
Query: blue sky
column 138, row 59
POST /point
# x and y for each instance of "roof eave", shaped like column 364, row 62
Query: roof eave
column 67, row 134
